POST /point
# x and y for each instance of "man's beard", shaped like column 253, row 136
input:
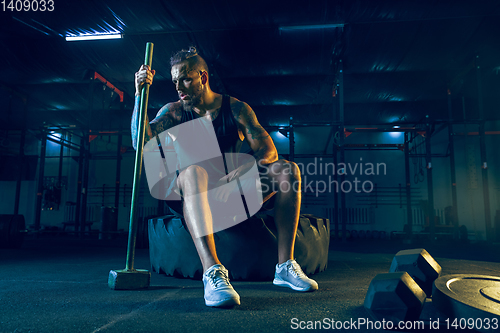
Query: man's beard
column 194, row 100
column 191, row 103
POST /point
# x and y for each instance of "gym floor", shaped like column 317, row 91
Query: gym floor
column 59, row 284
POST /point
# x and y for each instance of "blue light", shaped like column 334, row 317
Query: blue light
column 278, row 135
column 93, row 37
column 311, row 27
column 281, row 134
column 282, row 102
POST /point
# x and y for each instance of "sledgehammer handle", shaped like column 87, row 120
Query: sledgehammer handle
column 143, row 110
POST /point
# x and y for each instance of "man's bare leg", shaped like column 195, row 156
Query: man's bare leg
column 217, row 290
column 194, row 182
column 284, row 179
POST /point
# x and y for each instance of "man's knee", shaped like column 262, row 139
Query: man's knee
column 285, row 170
column 283, row 176
column 193, row 174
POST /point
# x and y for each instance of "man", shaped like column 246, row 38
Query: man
column 233, row 122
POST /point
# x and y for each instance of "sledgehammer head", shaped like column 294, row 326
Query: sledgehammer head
column 129, row 279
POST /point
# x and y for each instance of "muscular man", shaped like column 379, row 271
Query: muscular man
column 233, row 121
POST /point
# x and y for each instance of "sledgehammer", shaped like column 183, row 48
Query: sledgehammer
column 131, row 278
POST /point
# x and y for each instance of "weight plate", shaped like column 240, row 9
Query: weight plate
column 493, row 293
column 468, row 296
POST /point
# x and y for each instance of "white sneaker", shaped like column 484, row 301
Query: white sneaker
column 218, row 290
column 289, row 274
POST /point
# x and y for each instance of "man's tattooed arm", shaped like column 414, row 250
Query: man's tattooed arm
column 162, row 122
column 257, row 137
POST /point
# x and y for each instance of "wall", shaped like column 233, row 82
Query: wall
column 387, row 216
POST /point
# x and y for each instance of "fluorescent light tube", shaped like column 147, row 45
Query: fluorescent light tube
column 93, row 37
column 310, row 27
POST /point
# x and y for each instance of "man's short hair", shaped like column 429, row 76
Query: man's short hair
column 191, row 55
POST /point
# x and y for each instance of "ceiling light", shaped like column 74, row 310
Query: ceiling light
column 283, row 132
column 395, row 134
column 93, row 37
column 310, row 27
